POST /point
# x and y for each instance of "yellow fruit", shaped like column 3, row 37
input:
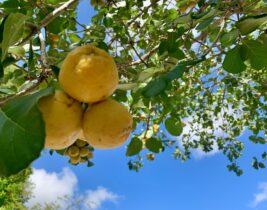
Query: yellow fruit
column 63, row 118
column 73, row 151
column 107, row 124
column 156, row 128
column 75, row 160
column 83, row 160
column 88, row 74
column 84, row 152
column 90, row 155
column 80, row 142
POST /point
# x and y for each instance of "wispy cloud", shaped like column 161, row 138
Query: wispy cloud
column 95, row 198
column 62, row 188
column 261, row 196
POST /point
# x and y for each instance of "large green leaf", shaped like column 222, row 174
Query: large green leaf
column 13, row 31
column 256, row 52
column 250, row 24
column 176, row 73
column 155, row 87
column 171, row 44
column 204, row 24
column 147, row 73
column 22, row 132
column 154, row 145
column 134, row 147
column 174, row 126
column 233, row 62
column 229, row 38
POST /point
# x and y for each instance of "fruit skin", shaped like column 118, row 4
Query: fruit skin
column 63, row 119
column 75, row 160
column 84, row 152
column 107, row 124
column 73, row 151
column 80, row 142
column 89, row 74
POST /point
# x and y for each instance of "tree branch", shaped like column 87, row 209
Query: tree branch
column 144, row 57
column 217, row 37
column 23, row 92
column 140, row 13
column 42, row 49
column 48, row 19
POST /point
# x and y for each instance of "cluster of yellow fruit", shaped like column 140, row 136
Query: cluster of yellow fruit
column 88, row 76
column 79, row 152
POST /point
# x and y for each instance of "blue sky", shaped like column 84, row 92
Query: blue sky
column 202, row 183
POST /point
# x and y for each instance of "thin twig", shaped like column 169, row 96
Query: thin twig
column 43, row 52
column 217, row 37
column 23, row 92
column 148, row 120
column 48, row 19
column 140, row 13
column 144, row 57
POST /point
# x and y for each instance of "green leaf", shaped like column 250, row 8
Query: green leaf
column 1, row 70
column 176, row 73
column 171, row 44
column 147, row 73
column 134, row 147
column 204, row 24
column 233, row 62
column 56, row 25
column 228, row 38
column 174, row 126
column 22, row 132
column 31, row 61
column 155, row 87
column 18, row 51
column 154, row 145
column 107, row 21
column 250, row 24
column 8, row 61
column 163, row 47
column 13, row 31
column 2, row 28
column 74, row 38
column 256, row 52
column 6, row 91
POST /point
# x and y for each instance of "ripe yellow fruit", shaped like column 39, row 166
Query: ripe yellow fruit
column 73, row 151
column 90, row 155
column 75, row 160
column 84, row 152
column 88, row 74
column 80, row 142
column 63, row 120
column 107, row 124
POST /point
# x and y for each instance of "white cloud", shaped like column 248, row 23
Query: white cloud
column 62, row 189
column 49, row 187
column 261, row 196
column 95, row 198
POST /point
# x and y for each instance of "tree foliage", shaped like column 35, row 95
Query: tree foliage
column 15, row 191
column 192, row 72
